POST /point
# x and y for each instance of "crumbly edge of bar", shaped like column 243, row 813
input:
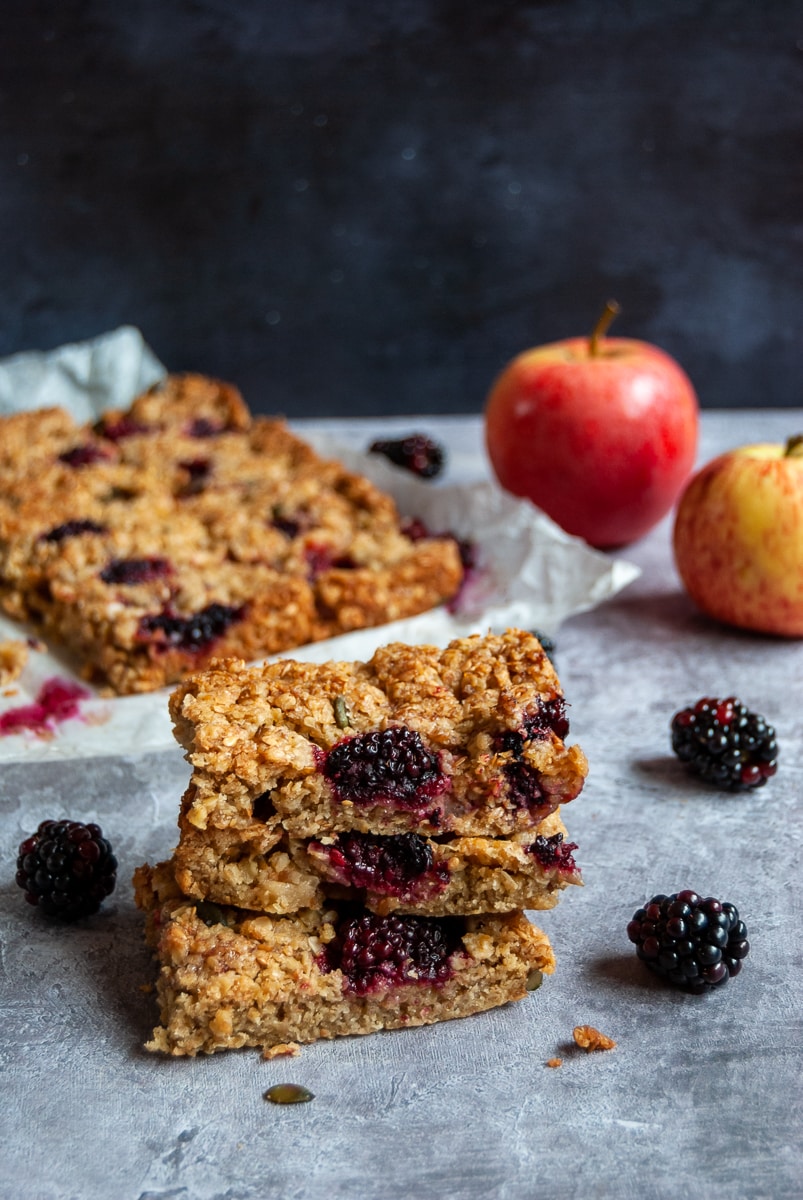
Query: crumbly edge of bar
column 253, row 980
column 13, row 657
column 257, row 866
column 256, row 736
column 217, row 538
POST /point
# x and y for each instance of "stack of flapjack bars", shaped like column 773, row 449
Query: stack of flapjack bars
column 358, row 843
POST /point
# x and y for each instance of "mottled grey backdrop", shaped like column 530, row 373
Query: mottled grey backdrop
column 349, row 206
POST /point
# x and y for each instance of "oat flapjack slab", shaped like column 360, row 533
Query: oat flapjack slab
column 256, row 865
column 463, row 741
column 182, row 529
column 229, row 978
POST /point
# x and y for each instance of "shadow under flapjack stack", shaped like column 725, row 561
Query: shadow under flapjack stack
column 358, row 843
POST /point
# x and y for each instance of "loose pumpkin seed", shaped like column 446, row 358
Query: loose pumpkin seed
column 288, row 1093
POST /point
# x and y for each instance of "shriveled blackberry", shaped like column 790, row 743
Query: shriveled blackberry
column 725, row 744
column 393, row 865
column 553, row 852
column 385, row 766
column 193, row 633
column 84, row 456
column 525, row 788
column 546, row 715
column 203, row 427
column 198, row 471
column 135, row 570
column 417, row 531
column 66, row 869
column 378, row 952
column 70, row 529
column 320, row 558
column 693, row 943
column 117, row 429
column 417, row 453
column 286, row 525
column 291, row 521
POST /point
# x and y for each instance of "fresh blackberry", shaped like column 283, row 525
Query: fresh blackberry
column 692, row 943
column 193, row 633
column 417, row 453
column 392, row 865
column 66, row 869
column 378, row 952
column 70, row 529
column 390, row 765
column 725, row 744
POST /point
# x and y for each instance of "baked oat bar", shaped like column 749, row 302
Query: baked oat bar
column 230, row 978
column 154, row 539
column 257, row 865
column 465, row 741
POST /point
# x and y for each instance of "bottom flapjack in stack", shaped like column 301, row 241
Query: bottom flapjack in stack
column 358, row 843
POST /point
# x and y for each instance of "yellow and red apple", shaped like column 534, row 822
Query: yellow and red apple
column 600, row 433
column 738, row 538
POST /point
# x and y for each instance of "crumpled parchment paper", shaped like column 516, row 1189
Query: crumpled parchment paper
column 531, row 574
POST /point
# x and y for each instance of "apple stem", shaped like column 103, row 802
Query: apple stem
column 794, row 447
column 610, row 311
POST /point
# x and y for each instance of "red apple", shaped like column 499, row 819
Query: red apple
column 738, row 538
column 600, row 433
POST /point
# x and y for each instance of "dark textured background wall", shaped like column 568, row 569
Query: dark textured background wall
column 347, row 206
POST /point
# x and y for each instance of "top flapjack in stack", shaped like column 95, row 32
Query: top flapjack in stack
column 358, row 841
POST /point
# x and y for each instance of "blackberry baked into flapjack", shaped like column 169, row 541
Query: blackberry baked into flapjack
column 466, row 741
column 182, row 529
column 230, row 978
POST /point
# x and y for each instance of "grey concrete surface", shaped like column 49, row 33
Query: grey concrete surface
column 700, row 1099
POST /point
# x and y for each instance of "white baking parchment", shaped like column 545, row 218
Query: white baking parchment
column 530, row 573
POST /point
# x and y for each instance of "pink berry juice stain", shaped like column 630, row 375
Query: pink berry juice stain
column 56, row 701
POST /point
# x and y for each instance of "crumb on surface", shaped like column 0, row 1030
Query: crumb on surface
column 13, row 657
column 282, row 1050
column 589, row 1038
column 554, row 1062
